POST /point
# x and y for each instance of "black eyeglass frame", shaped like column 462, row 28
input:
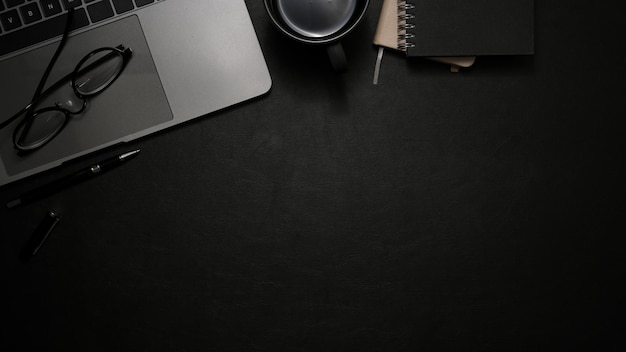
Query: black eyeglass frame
column 23, row 127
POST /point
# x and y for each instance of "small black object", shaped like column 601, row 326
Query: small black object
column 40, row 235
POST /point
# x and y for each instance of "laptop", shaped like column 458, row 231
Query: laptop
column 189, row 58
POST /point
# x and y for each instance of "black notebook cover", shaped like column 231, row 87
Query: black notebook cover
column 470, row 27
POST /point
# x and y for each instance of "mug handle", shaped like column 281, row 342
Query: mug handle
column 337, row 57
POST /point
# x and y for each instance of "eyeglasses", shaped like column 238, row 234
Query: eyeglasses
column 93, row 74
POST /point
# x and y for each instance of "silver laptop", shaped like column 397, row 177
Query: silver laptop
column 189, row 58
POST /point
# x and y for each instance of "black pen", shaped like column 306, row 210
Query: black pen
column 72, row 179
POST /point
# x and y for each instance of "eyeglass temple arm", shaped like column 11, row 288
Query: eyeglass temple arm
column 38, row 92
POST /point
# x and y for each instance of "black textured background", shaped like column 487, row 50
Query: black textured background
column 478, row 211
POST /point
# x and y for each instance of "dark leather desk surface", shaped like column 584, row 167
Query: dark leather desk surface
column 478, row 211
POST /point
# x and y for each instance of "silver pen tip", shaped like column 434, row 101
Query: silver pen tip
column 129, row 154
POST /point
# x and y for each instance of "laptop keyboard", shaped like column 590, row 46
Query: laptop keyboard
column 27, row 22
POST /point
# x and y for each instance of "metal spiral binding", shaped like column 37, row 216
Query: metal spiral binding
column 402, row 5
column 404, row 25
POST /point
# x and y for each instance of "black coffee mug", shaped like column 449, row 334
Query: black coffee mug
column 318, row 22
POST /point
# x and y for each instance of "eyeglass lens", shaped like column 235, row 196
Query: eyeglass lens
column 44, row 125
column 98, row 71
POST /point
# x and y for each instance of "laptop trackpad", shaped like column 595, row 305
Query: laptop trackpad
column 134, row 103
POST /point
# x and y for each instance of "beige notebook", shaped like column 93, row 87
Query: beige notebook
column 392, row 33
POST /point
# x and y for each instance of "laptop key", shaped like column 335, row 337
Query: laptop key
column 50, row 7
column 100, row 11
column 143, row 2
column 40, row 31
column 122, row 6
column 30, row 13
column 10, row 20
column 13, row 3
column 70, row 4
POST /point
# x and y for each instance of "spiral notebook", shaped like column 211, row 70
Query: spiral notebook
column 456, row 31
column 391, row 33
column 448, row 28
